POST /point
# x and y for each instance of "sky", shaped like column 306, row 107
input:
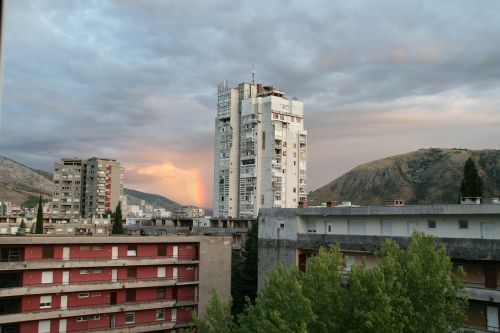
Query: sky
column 136, row 80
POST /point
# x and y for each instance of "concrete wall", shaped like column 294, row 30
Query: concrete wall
column 215, row 270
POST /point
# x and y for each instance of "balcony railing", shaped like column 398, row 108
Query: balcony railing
column 130, row 326
column 179, row 278
column 177, row 257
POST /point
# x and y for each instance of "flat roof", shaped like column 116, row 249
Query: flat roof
column 456, row 209
column 71, row 239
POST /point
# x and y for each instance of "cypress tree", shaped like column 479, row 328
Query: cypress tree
column 471, row 185
column 117, row 221
column 39, row 218
column 245, row 272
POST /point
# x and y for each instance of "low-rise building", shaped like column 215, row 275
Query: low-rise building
column 109, row 284
column 470, row 232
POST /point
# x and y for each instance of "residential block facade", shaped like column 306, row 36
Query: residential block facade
column 471, row 234
column 109, row 284
column 86, row 188
column 260, row 151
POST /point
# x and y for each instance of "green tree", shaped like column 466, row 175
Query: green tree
column 218, row 318
column 412, row 290
column 322, row 285
column 39, row 218
column 22, row 226
column 409, row 290
column 244, row 275
column 280, row 307
column 472, row 185
column 117, row 221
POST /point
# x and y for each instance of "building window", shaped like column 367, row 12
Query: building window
column 329, row 228
column 129, row 317
column 81, row 318
column 47, row 277
column 48, row 252
column 95, row 317
column 83, row 295
column 431, row 224
column 130, row 295
column 132, row 250
column 84, row 271
column 43, row 326
column 97, row 271
column 162, row 250
column 96, row 248
column 463, row 224
column 160, row 314
column 160, row 293
column 349, row 262
column 45, row 302
column 132, row 272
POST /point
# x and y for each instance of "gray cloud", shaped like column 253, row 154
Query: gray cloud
column 136, row 80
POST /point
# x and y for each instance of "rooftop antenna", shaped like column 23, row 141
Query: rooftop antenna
column 253, row 75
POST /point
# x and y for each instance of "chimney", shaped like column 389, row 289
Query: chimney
column 331, row 204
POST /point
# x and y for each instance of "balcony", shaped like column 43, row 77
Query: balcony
column 7, row 265
column 142, row 327
column 95, row 285
column 478, row 291
column 85, row 310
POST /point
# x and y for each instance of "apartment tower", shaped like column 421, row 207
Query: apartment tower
column 260, row 151
column 86, row 188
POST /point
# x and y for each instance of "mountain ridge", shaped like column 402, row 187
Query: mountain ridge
column 424, row 176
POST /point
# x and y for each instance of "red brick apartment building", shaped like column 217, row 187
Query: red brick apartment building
column 110, row 284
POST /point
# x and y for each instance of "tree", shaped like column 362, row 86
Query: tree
column 409, row 290
column 39, row 218
column 280, row 307
column 218, row 318
column 322, row 285
column 22, row 226
column 244, row 272
column 471, row 185
column 117, row 221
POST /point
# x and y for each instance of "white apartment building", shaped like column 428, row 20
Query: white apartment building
column 260, row 151
column 227, row 145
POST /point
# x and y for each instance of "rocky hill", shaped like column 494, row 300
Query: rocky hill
column 19, row 182
column 420, row 177
column 133, row 197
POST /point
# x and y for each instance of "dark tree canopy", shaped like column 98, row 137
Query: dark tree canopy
column 472, row 185
column 409, row 290
column 39, row 217
column 244, row 273
column 117, row 221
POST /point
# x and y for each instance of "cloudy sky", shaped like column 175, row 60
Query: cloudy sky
column 136, row 80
